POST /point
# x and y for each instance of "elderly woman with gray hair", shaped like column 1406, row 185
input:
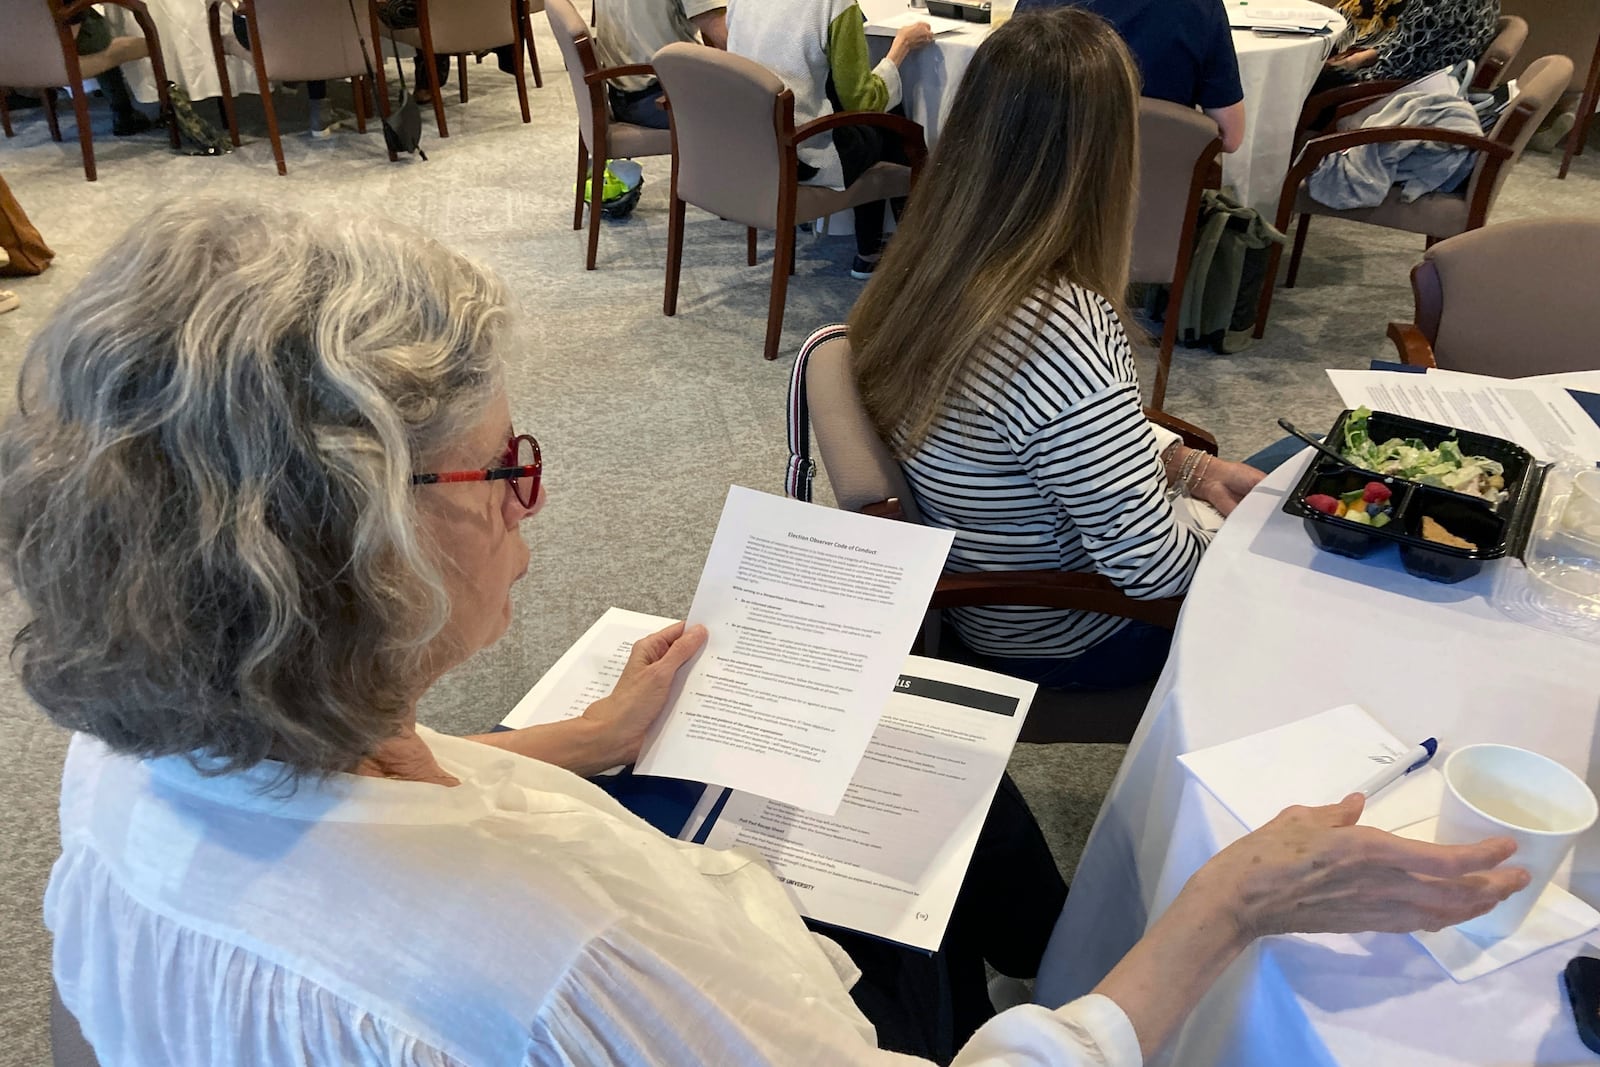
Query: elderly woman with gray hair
column 261, row 491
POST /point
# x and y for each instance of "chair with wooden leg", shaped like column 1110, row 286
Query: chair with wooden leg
column 456, row 27
column 38, row 50
column 865, row 477
column 733, row 154
column 297, row 40
column 1435, row 215
column 1178, row 152
column 599, row 136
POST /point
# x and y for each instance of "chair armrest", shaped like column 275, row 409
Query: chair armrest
column 629, row 70
column 1413, row 347
column 910, row 133
column 885, row 509
column 1066, row 590
column 1364, row 92
column 1192, row 435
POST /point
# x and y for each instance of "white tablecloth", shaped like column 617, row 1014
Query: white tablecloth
column 1277, row 73
column 1274, row 630
column 185, row 49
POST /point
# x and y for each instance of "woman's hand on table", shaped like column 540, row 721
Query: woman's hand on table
column 1225, row 484
column 622, row 719
column 908, row 39
column 1308, row 870
column 1314, row 870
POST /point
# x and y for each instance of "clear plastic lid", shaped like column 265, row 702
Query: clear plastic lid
column 1558, row 586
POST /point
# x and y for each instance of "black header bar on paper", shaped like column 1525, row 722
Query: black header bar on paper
column 950, row 693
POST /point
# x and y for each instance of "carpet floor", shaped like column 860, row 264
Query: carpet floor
column 645, row 420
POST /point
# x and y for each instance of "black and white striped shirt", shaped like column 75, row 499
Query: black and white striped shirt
column 1054, row 466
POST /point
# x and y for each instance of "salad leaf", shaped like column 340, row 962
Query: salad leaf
column 1410, row 458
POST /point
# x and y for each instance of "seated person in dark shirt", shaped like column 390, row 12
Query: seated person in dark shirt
column 1184, row 49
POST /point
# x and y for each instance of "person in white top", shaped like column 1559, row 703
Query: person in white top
column 262, row 490
column 631, row 32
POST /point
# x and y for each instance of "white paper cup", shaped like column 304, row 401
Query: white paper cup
column 1501, row 791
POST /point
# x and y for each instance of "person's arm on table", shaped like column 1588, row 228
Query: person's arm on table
column 1310, row 870
column 862, row 87
column 1221, row 483
column 610, row 732
column 713, row 27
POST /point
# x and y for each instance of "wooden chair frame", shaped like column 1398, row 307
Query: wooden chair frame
column 219, row 55
column 520, row 19
column 1586, row 106
column 1207, row 174
column 595, row 77
column 80, row 99
column 789, row 138
column 1067, row 591
column 1494, row 153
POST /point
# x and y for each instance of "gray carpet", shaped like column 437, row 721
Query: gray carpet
column 645, row 420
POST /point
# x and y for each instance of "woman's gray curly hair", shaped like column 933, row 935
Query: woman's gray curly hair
column 205, row 496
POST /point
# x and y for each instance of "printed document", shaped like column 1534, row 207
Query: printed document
column 587, row 671
column 1540, row 416
column 810, row 611
column 892, row 859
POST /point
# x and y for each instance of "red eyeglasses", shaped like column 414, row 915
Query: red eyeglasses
column 521, row 466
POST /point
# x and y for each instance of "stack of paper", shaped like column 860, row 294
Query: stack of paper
column 1281, row 17
column 888, row 27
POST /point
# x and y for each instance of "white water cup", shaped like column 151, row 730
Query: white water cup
column 1502, row 791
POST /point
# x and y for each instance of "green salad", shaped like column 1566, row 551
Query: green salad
column 1409, row 458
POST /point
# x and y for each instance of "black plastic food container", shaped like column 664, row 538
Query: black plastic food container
column 1497, row 529
column 952, row 9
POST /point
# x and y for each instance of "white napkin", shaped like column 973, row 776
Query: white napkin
column 1558, row 916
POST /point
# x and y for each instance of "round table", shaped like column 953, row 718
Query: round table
column 1274, row 630
column 1276, row 72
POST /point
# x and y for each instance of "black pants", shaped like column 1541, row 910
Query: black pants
column 94, row 35
column 641, row 107
column 929, row 1006
column 859, row 147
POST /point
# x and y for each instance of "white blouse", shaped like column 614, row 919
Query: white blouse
column 522, row 917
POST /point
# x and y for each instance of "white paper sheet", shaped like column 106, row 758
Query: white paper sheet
column 1279, row 14
column 1540, row 416
column 1317, row 760
column 810, row 612
column 892, row 860
column 888, row 27
column 586, row 671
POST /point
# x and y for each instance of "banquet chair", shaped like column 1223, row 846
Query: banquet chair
column 733, row 154
column 456, row 27
column 38, row 50
column 1509, row 300
column 1322, row 111
column 599, row 138
column 1570, row 28
column 68, row 1047
column 866, row 478
column 1178, row 152
column 295, row 40
column 1435, row 215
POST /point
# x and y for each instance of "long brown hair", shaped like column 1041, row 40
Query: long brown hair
column 1033, row 182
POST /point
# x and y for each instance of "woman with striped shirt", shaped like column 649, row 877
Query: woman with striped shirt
column 990, row 353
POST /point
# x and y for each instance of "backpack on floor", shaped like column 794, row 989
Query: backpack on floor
column 197, row 136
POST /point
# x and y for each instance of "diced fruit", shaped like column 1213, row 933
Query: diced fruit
column 1356, row 515
column 1381, row 519
column 1375, row 509
column 1342, row 509
column 1376, row 493
column 1354, row 496
column 1323, row 503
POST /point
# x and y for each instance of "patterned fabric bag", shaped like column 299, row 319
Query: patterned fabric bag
column 199, row 137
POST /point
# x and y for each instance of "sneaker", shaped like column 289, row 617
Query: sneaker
column 861, row 269
column 1547, row 139
column 128, row 125
column 332, row 119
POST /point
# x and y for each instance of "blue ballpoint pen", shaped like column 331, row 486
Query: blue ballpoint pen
column 1403, row 765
